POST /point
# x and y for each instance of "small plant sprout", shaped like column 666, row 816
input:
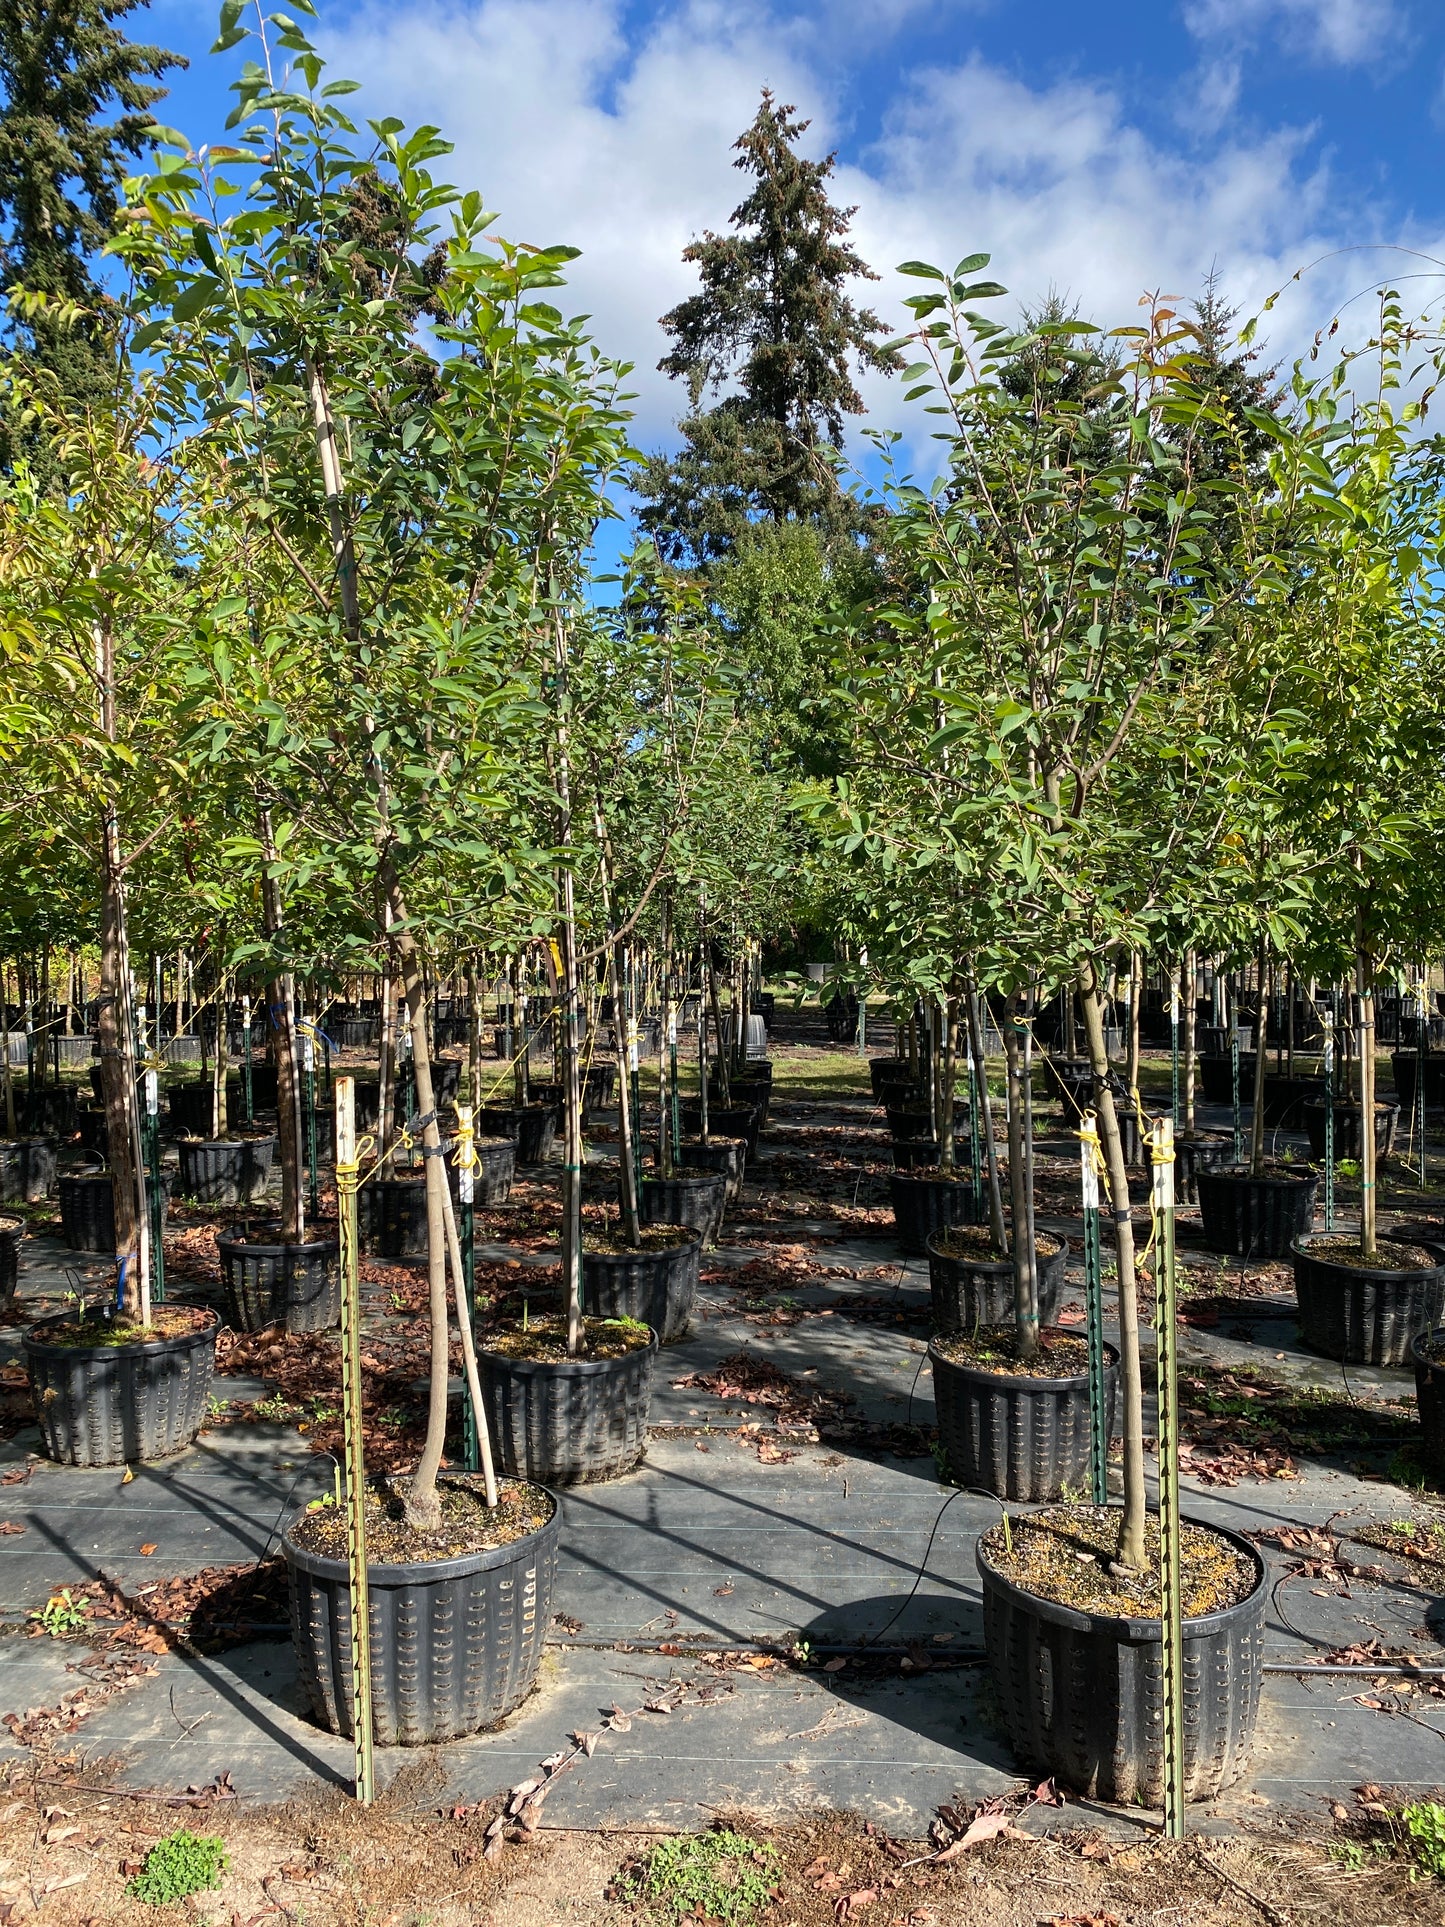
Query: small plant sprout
column 180, row 1865
column 720, row 1876
column 61, row 1615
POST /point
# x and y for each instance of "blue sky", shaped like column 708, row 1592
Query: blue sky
column 1100, row 151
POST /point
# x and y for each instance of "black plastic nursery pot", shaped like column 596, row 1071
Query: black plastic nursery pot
column 1216, row 1078
column 269, row 1282
column 12, row 1230
column 114, row 1404
column 575, row 1422
column 1080, row 1693
column 723, row 1120
column 907, row 1123
column 1406, row 1067
column 1430, row 1390
column 226, row 1170
column 456, row 1644
column 697, row 1199
column 657, row 1288
column 1347, row 1128
column 391, row 1215
column 51, row 1109
column 1255, row 1217
column 496, row 1169
column 915, row 1154
column 190, row 1108
column 27, row 1169
column 1021, row 1437
column 968, row 1292
column 1195, row 1152
column 531, row 1127
column 87, row 1208
column 726, row 1154
column 1363, row 1314
column 925, row 1202
column 888, row 1070
column 601, row 1082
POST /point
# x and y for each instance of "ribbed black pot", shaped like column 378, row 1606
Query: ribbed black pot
column 1081, row 1694
column 923, row 1205
column 1347, row 1128
column 87, row 1208
column 573, row 1423
column 91, row 1125
column 226, row 1170
column 888, row 1070
column 755, row 1092
column 12, row 1230
column 27, row 1169
column 455, row 1643
column 968, row 1292
column 726, row 1154
column 1361, row 1314
column 52, row 1109
column 731, row 1120
column 1216, row 1078
column 1430, row 1394
column 114, row 1404
column 907, row 1123
column 697, row 1199
column 391, row 1216
column 915, row 1154
column 1254, row 1217
column 190, row 1108
column 657, row 1288
column 601, row 1081
column 353, row 1033
column 274, row 1283
column 1070, row 1079
column 496, row 1169
column 531, row 1127
column 264, row 1095
column 1406, row 1067
column 1022, row 1438
column 1203, row 1151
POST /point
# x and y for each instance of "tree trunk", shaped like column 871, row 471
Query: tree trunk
column 281, row 999
column 995, row 1189
column 1365, row 991
column 474, row 1037
column 1131, row 1552
column 1190, row 1021
column 118, row 1083
column 219, row 1120
column 7, row 1069
column 1026, row 1298
column 1261, row 1055
column 386, row 1067
column 626, row 1123
column 947, row 1145
column 723, row 1073
column 1136, row 998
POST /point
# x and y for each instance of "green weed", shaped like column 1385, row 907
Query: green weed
column 712, row 1876
column 61, row 1615
column 178, row 1866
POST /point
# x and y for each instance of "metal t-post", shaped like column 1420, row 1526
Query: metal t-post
column 1166, row 1332
column 1328, row 1066
column 466, row 1163
column 351, row 1419
column 155, row 1197
column 1091, row 1161
column 672, row 1080
column 975, row 1136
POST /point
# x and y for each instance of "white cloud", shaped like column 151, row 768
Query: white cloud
column 1349, row 32
column 574, row 131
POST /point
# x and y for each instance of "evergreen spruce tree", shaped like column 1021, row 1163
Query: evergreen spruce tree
column 772, row 325
column 63, row 63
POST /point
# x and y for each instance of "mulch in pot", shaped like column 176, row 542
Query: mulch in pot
column 611, row 1240
column 118, row 1328
column 995, row 1348
column 1066, row 1554
column 469, row 1524
column 1387, row 1256
column 974, row 1244
column 544, row 1340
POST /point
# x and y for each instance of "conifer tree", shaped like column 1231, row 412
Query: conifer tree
column 775, row 332
column 63, row 63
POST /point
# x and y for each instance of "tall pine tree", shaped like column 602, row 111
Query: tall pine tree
column 63, row 64
column 774, row 326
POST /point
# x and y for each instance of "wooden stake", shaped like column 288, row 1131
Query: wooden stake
column 351, row 1418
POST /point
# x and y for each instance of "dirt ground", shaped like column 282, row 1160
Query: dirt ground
column 68, row 1844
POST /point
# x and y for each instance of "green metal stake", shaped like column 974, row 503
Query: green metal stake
column 1328, row 1064
column 351, row 1416
column 1174, row 1051
column 466, row 1233
column 1166, row 1332
column 975, row 1137
column 1234, row 1074
column 1090, row 1162
column 676, row 1100
column 246, row 1088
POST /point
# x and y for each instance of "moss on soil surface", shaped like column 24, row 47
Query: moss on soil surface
column 995, row 1348
column 974, row 1244
column 544, row 1341
column 1066, row 1555
column 167, row 1321
column 469, row 1524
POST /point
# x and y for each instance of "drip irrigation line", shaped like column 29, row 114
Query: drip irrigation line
column 978, row 1493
